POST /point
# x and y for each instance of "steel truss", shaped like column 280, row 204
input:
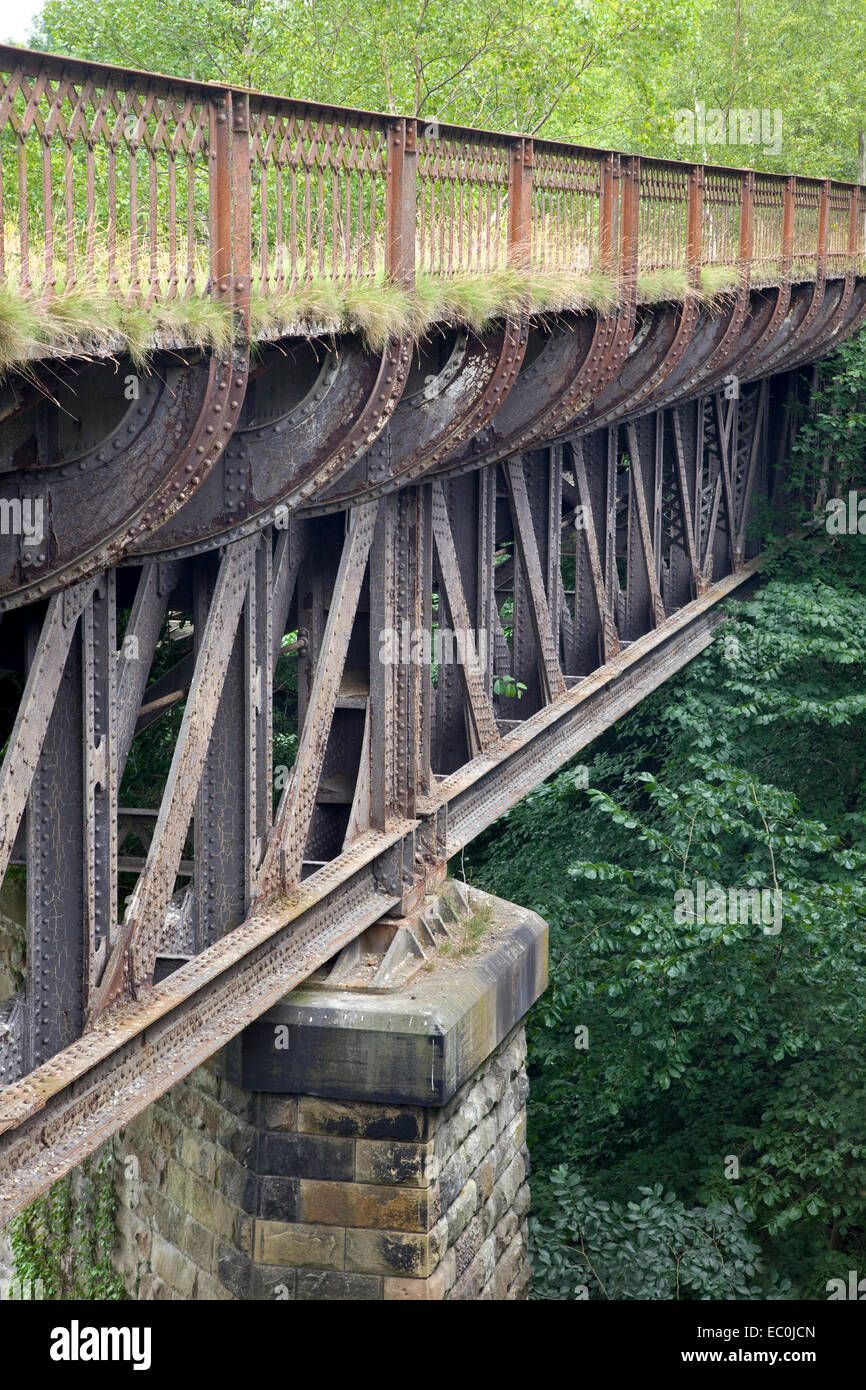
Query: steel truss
column 586, row 570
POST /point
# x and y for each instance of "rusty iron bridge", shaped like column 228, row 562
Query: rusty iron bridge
column 303, row 484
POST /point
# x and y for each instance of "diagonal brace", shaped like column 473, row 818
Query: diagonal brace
column 281, row 866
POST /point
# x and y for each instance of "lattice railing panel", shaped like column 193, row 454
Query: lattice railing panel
column 462, row 204
column 807, row 200
column 120, row 179
column 720, row 231
column 662, row 215
column 769, row 207
column 838, row 223
column 565, row 218
column 318, row 197
column 103, row 182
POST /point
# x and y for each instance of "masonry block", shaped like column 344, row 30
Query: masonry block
column 417, row 1046
column 318, row 1116
column 278, row 1199
column 299, row 1245
column 321, row 1285
column 405, row 1165
column 389, row 1252
column 364, row 1205
column 273, row 1283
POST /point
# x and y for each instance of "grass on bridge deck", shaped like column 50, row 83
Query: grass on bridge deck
column 97, row 317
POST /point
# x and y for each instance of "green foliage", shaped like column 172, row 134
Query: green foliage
column 95, row 319
column 612, row 73
column 521, row 65
column 151, row 752
column 285, row 731
column 467, row 935
column 92, row 319
column 831, row 436
column 65, row 1239
column 651, row 1248
column 509, row 686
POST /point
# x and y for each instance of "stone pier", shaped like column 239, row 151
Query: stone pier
column 366, row 1139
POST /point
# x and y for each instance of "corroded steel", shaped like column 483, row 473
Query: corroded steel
column 295, row 191
column 348, row 510
column 56, row 1116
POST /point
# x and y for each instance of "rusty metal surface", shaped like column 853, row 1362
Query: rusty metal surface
column 131, row 963
column 121, row 1065
column 683, row 510
column 283, row 453
column 57, row 1115
column 273, row 171
column 485, row 732
column 487, row 788
column 433, row 420
column 34, row 712
column 338, row 193
column 365, row 502
column 284, row 853
column 137, row 471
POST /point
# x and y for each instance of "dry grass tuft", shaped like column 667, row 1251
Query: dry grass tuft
column 104, row 314
column 662, row 286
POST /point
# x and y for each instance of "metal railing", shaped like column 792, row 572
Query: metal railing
column 105, row 173
column 159, row 188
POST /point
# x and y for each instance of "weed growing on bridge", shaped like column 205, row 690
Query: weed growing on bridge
column 275, row 313
column 672, row 285
column 383, row 311
column 467, row 937
column 103, row 314
column 19, row 337
column 89, row 321
column 720, row 280
column 477, row 299
column 662, row 286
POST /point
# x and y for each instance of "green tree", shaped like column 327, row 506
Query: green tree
column 510, row 64
column 612, row 73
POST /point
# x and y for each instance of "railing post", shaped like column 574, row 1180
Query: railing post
column 788, row 204
column 400, row 215
column 746, row 249
column 854, row 226
column 694, row 225
column 241, row 212
column 606, row 223
column 520, row 203
column 630, row 224
column 220, row 196
column 823, row 222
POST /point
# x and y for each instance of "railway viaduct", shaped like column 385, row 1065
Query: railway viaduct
column 477, row 544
